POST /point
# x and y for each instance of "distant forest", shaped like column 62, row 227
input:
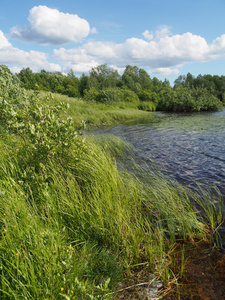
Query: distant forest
column 105, row 85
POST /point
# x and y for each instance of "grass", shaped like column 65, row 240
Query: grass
column 74, row 235
column 96, row 114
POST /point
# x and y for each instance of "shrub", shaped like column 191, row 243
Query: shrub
column 46, row 132
column 90, row 94
column 147, row 106
column 148, row 96
column 110, row 96
column 129, row 96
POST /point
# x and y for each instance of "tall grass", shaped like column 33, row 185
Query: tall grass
column 94, row 221
column 95, row 114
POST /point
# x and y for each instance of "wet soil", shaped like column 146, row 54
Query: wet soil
column 203, row 277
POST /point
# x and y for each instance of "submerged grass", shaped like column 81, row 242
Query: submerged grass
column 89, row 224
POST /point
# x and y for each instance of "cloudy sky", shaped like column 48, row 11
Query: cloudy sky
column 165, row 37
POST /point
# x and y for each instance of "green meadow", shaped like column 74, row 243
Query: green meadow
column 73, row 219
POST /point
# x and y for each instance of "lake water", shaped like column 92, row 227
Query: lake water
column 187, row 147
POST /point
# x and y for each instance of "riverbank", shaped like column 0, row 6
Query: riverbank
column 91, row 115
column 103, row 227
column 75, row 224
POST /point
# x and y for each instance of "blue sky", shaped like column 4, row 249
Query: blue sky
column 167, row 38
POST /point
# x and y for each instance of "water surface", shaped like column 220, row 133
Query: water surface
column 188, row 147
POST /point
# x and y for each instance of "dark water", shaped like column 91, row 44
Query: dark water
column 190, row 147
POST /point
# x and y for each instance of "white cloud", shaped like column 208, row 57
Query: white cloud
column 4, row 43
column 217, row 49
column 94, row 30
column 159, row 52
column 164, row 56
column 162, row 32
column 148, row 35
column 49, row 26
column 101, row 49
column 17, row 59
column 164, row 71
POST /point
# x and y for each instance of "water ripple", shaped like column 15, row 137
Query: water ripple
column 190, row 148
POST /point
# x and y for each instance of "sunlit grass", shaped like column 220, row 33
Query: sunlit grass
column 93, row 222
column 95, row 114
column 74, row 234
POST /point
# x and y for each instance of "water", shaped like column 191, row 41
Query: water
column 187, row 147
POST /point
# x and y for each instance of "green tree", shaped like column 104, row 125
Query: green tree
column 102, row 77
column 181, row 79
column 83, row 84
column 130, row 78
column 145, row 80
column 27, row 78
column 189, row 80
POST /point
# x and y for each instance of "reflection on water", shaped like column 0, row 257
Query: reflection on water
column 190, row 147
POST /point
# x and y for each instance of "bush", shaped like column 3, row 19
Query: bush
column 147, row 106
column 90, row 94
column 45, row 130
column 129, row 96
column 110, row 96
column 183, row 99
column 148, row 96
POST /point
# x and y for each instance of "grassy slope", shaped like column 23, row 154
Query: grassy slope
column 95, row 114
column 74, row 237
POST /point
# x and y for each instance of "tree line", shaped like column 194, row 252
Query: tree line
column 105, row 85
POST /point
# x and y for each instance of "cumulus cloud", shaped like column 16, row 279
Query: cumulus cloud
column 50, row 26
column 17, row 59
column 164, row 71
column 217, row 49
column 161, row 32
column 4, row 43
column 148, row 35
column 164, row 55
column 159, row 52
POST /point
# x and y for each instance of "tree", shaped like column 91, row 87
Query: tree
column 166, row 83
column 145, row 80
column 27, row 78
column 189, row 80
column 180, row 80
column 102, row 77
column 83, row 84
column 130, row 78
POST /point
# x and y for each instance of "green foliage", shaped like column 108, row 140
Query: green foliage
column 184, row 99
column 146, row 96
column 104, row 85
column 95, row 220
column 53, row 82
column 44, row 129
column 147, row 106
column 214, row 84
column 130, row 78
column 109, row 96
column 91, row 94
column 145, row 80
column 83, row 84
column 129, row 96
column 102, row 77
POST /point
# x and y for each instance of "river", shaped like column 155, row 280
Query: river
column 188, row 147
